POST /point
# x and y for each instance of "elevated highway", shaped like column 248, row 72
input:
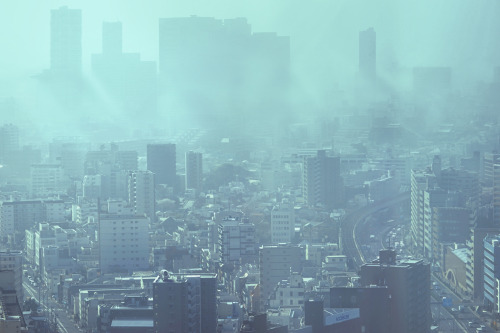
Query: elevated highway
column 351, row 227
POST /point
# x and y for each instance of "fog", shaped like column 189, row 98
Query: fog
column 323, row 36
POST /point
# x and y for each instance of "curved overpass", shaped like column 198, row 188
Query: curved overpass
column 350, row 227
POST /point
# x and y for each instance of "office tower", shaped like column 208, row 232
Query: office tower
column 492, row 272
column 368, row 54
column 237, row 241
column 238, row 68
column 322, row 183
column 408, row 282
column 194, row 170
column 13, row 261
column 92, row 187
column 276, row 263
column 161, row 161
column 9, row 140
column 123, row 240
column 450, row 225
column 185, row 303
column 282, row 223
column 475, row 261
column 18, row 216
column 489, row 160
column 112, row 38
column 141, row 191
column 47, row 180
column 66, row 42
column 496, row 194
column 130, row 83
column 70, row 153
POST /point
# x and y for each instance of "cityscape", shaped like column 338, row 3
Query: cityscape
column 250, row 168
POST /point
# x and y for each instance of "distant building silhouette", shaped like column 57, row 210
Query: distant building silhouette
column 368, row 54
column 211, row 67
column 161, row 160
column 129, row 82
column 66, row 42
column 322, row 183
column 194, row 170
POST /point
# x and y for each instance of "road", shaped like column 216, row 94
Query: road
column 460, row 318
column 52, row 310
column 351, row 223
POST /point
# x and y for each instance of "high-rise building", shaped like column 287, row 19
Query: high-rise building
column 141, row 189
column 18, row 216
column 194, row 170
column 368, row 54
column 66, row 42
column 237, row 241
column 161, row 160
column 322, row 183
column 238, row 67
column 496, row 194
column 47, row 180
column 408, row 282
column 9, row 140
column 492, row 272
column 130, row 82
column 282, row 223
column 185, row 303
column 123, row 240
column 276, row 263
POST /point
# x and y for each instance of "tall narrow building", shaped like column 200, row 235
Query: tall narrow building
column 66, row 42
column 141, row 191
column 194, row 170
column 368, row 54
column 161, row 160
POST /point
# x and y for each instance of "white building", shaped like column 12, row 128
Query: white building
column 141, row 191
column 123, row 241
column 47, row 180
column 282, row 223
column 288, row 293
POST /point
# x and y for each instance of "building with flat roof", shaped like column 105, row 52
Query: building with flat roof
column 185, row 303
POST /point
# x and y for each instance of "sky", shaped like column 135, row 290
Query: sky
column 409, row 33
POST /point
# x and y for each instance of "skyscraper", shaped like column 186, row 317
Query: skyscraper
column 161, row 161
column 130, row 83
column 66, row 42
column 368, row 54
column 194, row 170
